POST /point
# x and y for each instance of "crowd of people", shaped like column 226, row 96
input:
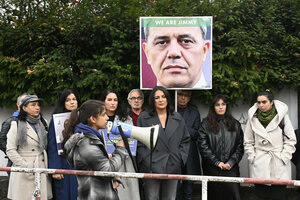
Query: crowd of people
column 185, row 145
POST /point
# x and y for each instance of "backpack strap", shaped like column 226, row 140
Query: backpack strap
column 281, row 125
column 44, row 123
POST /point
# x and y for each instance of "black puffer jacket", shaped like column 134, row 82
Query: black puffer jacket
column 4, row 130
column 225, row 146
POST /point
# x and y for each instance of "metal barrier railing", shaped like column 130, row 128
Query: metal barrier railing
column 203, row 179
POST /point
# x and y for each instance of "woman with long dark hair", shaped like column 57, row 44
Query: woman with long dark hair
column 26, row 147
column 221, row 147
column 171, row 150
column 85, row 149
column 115, row 108
column 64, row 186
column 116, row 112
column 269, row 142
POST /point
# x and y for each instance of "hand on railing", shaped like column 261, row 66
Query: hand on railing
column 58, row 176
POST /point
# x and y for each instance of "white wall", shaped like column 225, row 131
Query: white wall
column 288, row 96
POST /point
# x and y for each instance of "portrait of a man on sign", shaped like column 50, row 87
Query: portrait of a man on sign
column 176, row 52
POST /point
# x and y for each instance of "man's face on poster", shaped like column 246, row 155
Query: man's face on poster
column 176, row 55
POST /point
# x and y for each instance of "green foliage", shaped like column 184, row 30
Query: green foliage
column 47, row 45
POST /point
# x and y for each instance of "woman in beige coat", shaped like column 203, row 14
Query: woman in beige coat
column 26, row 148
column 269, row 141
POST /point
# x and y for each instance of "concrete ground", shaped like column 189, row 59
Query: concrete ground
column 247, row 192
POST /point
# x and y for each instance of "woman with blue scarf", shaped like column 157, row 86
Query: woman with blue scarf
column 85, row 150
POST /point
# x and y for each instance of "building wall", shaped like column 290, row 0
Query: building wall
column 288, row 96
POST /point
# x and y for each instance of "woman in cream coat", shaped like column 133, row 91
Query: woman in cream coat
column 269, row 141
column 26, row 148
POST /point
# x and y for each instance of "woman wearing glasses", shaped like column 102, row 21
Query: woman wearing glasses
column 269, row 142
column 221, row 147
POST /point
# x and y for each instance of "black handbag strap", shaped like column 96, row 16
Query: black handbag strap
column 125, row 140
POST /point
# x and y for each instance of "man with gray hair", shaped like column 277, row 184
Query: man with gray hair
column 135, row 99
column 176, row 55
column 6, row 126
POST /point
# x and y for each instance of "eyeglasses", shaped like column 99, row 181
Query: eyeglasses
column 184, row 94
column 136, row 98
column 220, row 104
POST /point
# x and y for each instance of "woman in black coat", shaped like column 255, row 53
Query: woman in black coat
column 221, row 147
column 171, row 150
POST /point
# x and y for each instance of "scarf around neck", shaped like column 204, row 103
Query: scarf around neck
column 82, row 128
column 40, row 131
column 265, row 117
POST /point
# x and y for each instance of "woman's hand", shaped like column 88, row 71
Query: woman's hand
column 121, row 143
column 227, row 166
column 221, row 165
column 224, row 166
column 116, row 184
column 58, row 176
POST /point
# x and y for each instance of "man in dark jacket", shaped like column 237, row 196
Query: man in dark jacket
column 192, row 120
column 6, row 126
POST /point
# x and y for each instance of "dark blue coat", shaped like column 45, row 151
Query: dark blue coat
column 192, row 121
column 65, row 189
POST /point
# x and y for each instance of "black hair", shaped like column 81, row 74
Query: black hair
column 212, row 117
column 22, row 114
column 152, row 108
column 60, row 105
column 267, row 93
column 120, row 111
column 81, row 115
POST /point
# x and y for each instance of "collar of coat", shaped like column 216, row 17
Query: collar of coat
column 174, row 115
column 281, row 108
column 75, row 138
column 258, row 128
